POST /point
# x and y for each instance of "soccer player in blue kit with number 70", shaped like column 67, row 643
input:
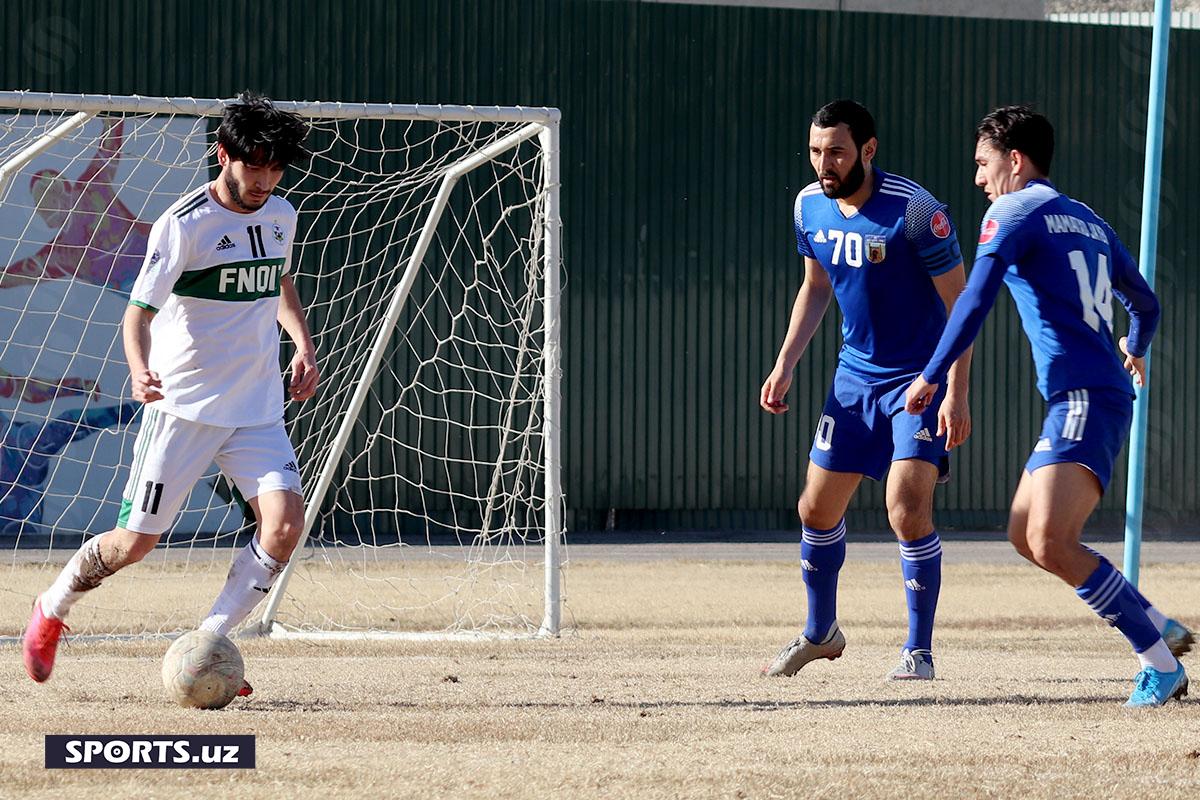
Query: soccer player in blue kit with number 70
column 1063, row 265
column 886, row 249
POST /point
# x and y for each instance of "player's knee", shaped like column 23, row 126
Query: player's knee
column 1022, row 548
column 1047, row 552
column 804, row 507
column 908, row 521
column 1016, row 536
column 142, row 547
column 812, row 515
column 123, row 547
column 281, row 536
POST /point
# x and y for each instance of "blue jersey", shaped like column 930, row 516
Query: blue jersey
column 880, row 261
column 1063, row 265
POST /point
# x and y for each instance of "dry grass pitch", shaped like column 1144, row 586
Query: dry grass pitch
column 656, row 693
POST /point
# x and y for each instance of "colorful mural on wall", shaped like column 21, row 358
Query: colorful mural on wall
column 73, row 230
column 98, row 239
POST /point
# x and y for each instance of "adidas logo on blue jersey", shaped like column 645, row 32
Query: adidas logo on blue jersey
column 225, row 244
column 914, row 585
column 807, row 565
column 1043, row 446
column 923, row 435
column 819, row 238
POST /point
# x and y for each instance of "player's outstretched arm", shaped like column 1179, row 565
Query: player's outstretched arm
column 167, row 250
column 24, row 272
column 303, row 383
column 1134, row 365
column 72, row 426
column 136, row 334
column 807, row 312
column 1142, row 305
column 954, row 415
column 32, row 389
column 103, row 166
column 966, row 319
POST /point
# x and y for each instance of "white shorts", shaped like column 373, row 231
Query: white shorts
column 171, row 454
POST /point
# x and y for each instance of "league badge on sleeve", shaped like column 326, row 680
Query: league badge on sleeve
column 876, row 249
column 989, row 231
column 940, row 224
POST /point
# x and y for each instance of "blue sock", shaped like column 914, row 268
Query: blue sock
column 822, row 554
column 1113, row 598
column 1145, row 604
column 921, row 565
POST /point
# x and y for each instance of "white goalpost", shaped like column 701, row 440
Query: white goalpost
column 428, row 257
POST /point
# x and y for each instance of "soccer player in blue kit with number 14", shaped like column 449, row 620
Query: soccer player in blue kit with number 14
column 1063, row 265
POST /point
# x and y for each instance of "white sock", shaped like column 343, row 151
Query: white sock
column 1157, row 618
column 1159, row 657
column 250, row 578
column 83, row 572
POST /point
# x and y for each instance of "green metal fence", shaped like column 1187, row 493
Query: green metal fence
column 684, row 140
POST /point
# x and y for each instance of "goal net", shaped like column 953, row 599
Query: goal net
column 427, row 256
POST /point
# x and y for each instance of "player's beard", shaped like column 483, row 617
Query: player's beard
column 232, row 185
column 848, row 185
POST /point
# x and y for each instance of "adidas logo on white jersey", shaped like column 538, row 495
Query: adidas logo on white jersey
column 914, row 584
column 819, row 238
column 923, row 435
column 1043, row 446
column 225, row 244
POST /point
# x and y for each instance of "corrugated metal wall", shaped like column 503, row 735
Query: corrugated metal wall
column 685, row 130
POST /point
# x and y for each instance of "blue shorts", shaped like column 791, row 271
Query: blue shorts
column 1087, row 427
column 864, row 426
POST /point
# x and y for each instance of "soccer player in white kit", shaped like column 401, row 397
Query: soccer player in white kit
column 215, row 281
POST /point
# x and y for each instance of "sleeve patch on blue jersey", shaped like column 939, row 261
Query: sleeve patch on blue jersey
column 990, row 228
column 939, row 223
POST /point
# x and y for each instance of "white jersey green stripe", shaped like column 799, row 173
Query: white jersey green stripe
column 213, row 277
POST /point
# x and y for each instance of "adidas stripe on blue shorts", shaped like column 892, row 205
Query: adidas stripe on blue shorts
column 1084, row 426
column 864, row 427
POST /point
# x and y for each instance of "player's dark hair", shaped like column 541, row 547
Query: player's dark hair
column 1022, row 129
column 255, row 132
column 849, row 113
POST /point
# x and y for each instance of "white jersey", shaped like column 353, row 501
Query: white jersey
column 212, row 275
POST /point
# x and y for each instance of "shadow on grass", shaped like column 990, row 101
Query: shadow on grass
column 784, row 705
column 285, row 706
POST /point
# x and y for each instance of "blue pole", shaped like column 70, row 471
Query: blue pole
column 1147, row 254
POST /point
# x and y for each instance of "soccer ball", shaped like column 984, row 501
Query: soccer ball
column 202, row 669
